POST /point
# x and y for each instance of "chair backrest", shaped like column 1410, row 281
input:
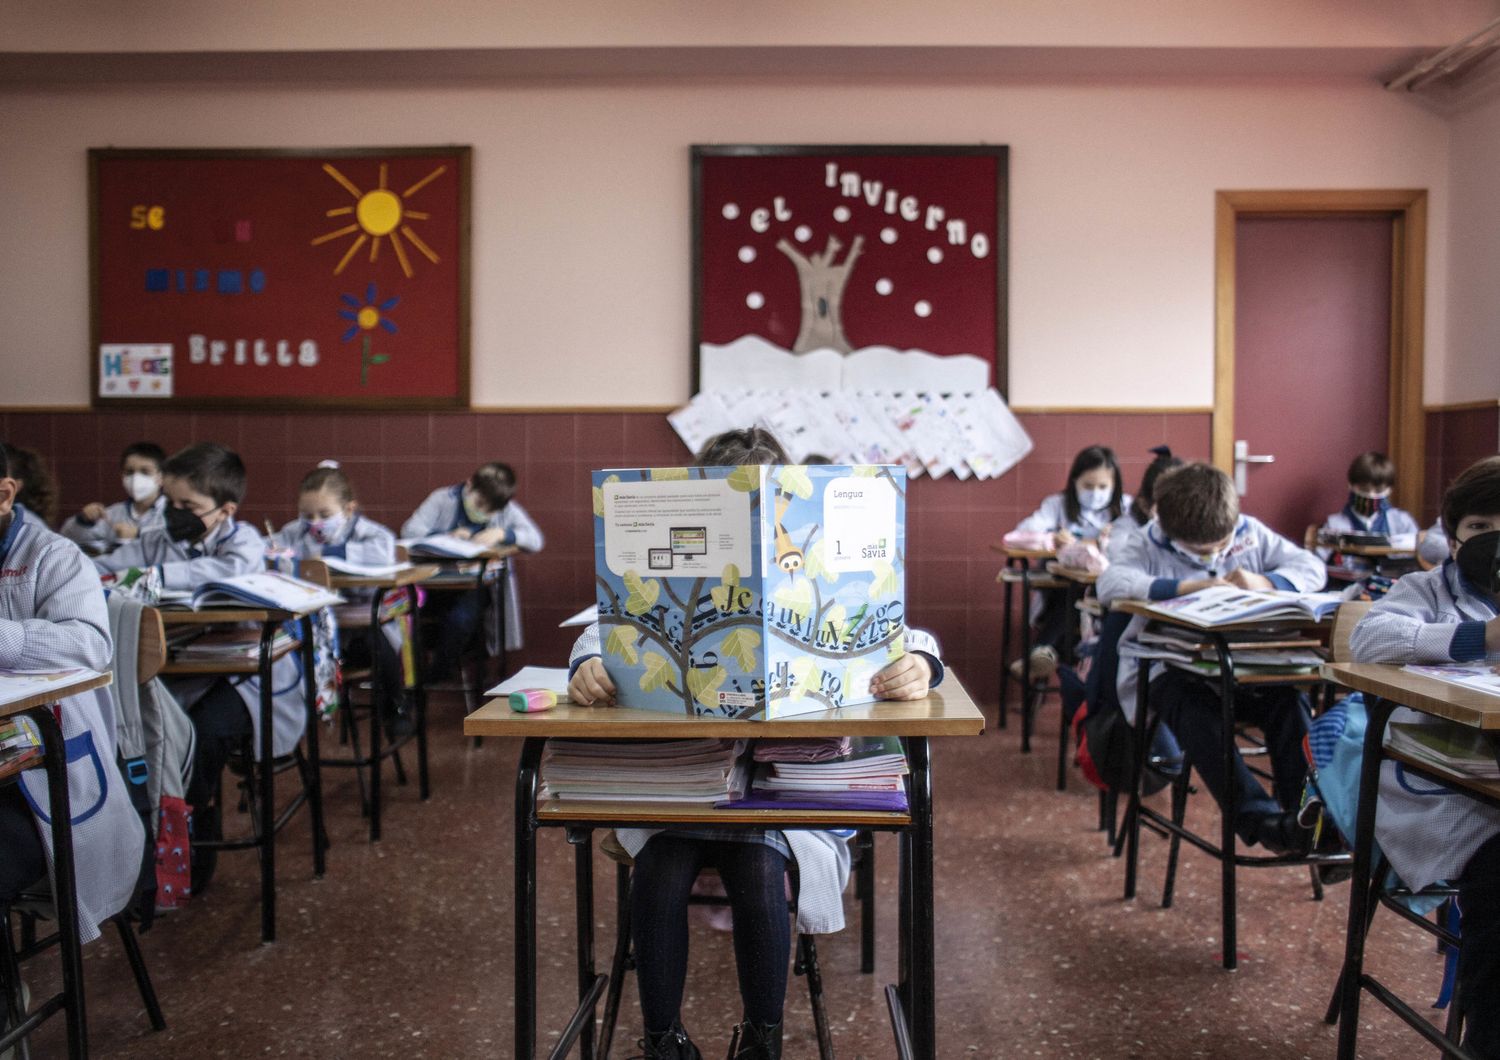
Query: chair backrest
column 315, row 571
column 151, row 649
column 1310, row 536
column 402, row 554
column 1344, row 621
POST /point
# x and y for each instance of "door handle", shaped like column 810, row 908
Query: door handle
column 1243, row 458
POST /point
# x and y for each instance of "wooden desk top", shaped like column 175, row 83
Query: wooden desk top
column 84, row 683
column 1022, row 553
column 226, row 615
column 1072, row 574
column 1442, row 699
column 668, row 813
column 498, row 552
column 1369, row 551
column 947, row 711
column 399, row 580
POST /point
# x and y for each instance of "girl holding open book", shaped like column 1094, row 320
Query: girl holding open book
column 752, row 863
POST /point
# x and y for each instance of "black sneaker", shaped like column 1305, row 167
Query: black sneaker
column 755, row 1041
column 669, row 1045
column 1281, row 833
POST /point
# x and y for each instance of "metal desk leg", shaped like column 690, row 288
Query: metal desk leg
column 1027, row 715
column 1230, row 810
column 1132, row 825
column 266, row 767
column 1071, row 640
column 1005, row 621
column 923, row 1013
column 314, row 771
column 527, row 776
column 583, row 898
column 377, row 692
column 55, row 757
column 1361, row 896
column 419, row 693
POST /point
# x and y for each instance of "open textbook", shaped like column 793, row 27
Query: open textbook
column 268, row 589
column 1222, row 605
column 1481, row 677
column 443, row 546
column 16, row 685
column 363, row 570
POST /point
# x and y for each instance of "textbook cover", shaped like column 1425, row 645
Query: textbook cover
column 749, row 592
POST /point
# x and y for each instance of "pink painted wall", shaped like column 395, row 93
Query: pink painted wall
column 1472, row 369
column 581, row 209
column 295, row 25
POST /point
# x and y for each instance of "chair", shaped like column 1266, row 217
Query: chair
column 805, row 962
column 37, row 904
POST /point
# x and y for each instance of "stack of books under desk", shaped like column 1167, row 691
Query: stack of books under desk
column 644, row 771
column 863, row 773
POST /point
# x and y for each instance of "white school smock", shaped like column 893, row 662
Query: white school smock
column 1429, row 832
column 1120, row 533
column 822, row 856
column 1149, row 568
column 1434, row 547
column 443, row 512
column 52, row 614
column 99, row 536
column 1053, row 515
column 231, row 548
column 361, row 541
column 1392, row 522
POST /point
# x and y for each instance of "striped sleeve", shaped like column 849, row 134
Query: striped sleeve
column 71, row 623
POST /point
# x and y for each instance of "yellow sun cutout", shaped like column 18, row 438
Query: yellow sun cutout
column 379, row 213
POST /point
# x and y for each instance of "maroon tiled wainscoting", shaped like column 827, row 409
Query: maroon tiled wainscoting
column 394, row 459
column 1456, row 437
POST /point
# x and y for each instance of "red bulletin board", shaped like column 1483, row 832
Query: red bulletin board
column 328, row 278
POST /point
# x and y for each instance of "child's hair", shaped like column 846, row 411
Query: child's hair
column 211, row 469
column 746, row 446
column 495, row 483
column 38, row 488
column 1142, row 504
column 150, row 450
column 1373, row 470
column 328, row 476
column 1196, row 504
column 4, row 460
column 1476, row 491
column 1095, row 456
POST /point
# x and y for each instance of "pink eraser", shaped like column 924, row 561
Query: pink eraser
column 531, row 700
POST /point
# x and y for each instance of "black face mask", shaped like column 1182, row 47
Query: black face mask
column 1479, row 560
column 183, row 525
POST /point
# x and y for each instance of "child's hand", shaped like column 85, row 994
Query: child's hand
column 1063, row 537
column 126, row 531
column 1185, row 587
column 591, row 686
column 461, row 533
column 92, row 513
column 493, row 536
column 909, row 677
column 1246, row 580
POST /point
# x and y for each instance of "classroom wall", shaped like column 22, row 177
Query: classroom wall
column 581, row 210
column 1473, row 369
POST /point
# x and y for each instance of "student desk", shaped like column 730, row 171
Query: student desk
column 1385, row 688
column 268, row 823
column 947, row 711
column 451, row 577
column 1299, row 634
column 406, row 580
column 1371, row 552
column 1018, row 570
column 65, row 882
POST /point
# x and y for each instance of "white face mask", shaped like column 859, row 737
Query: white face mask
column 475, row 511
column 140, row 487
column 1209, row 560
column 325, row 530
column 1092, row 500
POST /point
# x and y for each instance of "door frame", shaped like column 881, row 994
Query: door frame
column 1407, row 209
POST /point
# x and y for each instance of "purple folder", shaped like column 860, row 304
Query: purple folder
column 885, row 801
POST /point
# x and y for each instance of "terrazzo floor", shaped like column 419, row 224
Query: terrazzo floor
column 404, row 948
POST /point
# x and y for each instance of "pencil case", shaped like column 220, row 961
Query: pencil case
column 532, row 700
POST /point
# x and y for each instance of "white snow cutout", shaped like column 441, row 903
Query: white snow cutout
column 887, row 235
column 923, row 308
column 934, row 254
column 841, row 214
column 753, row 363
column 747, row 254
column 884, row 286
column 803, row 233
column 755, row 300
column 731, row 211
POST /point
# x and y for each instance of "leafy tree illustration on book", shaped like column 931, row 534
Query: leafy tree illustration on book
column 708, row 640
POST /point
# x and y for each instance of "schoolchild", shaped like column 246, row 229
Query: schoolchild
column 1088, row 504
column 752, row 864
column 53, row 615
column 482, row 509
column 1367, row 510
column 330, row 525
column 201, row 541
column 99, row 528
column 1448, row 614
column 1143, row 505
column 1198, row 539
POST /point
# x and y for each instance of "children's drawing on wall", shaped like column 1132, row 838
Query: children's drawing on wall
column 863, row 268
